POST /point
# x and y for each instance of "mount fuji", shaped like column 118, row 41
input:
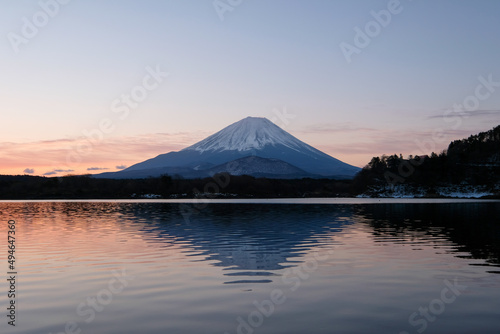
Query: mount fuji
column 279, row 155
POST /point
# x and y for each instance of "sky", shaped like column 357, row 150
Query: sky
column 98, row 85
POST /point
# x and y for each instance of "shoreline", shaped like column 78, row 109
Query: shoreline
column 333, row 200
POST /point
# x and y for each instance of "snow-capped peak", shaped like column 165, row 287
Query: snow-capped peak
column 251, row 133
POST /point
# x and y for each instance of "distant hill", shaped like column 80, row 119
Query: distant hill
column 474, row 161
column 251, row 165
column 261, row 167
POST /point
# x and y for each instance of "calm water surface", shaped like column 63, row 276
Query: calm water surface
column 125, row 267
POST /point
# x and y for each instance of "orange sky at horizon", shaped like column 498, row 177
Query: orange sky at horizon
column 85, row 155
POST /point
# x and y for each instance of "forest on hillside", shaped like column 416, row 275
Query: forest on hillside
column 474, row 161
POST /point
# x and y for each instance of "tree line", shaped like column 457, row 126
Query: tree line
column 472, row 161
column 87, row 187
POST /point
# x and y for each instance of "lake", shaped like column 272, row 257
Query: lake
column 262, row 266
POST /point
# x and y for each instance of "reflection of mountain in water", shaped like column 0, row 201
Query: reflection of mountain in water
column 472, row 227
column 245, row 236
column 253, row 240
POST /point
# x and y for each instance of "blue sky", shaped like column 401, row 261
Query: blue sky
column 265, row 58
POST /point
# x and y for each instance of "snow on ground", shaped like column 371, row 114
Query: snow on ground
column 407, row 191
column 463, row 191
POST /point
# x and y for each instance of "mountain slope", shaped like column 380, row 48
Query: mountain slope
column 251, row 165
column 252, row 136
column 260, row 167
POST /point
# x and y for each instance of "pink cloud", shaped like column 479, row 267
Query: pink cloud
column 360, row 146
column 48, row 156
column 334, row 128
